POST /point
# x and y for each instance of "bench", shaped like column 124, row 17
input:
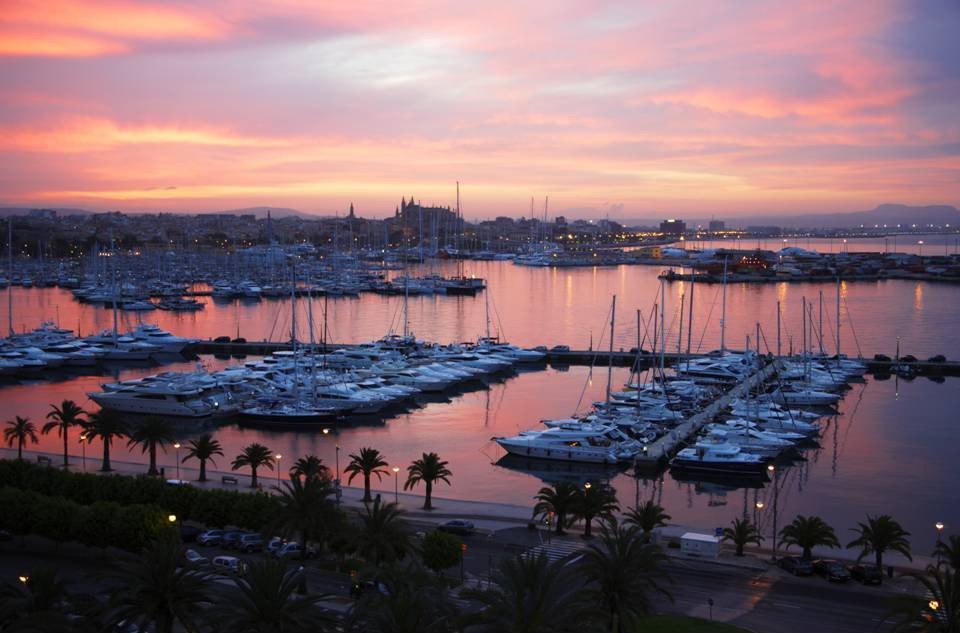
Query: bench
column 227, row 479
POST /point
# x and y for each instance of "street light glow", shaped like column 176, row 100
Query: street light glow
column 939, row 525
column 24, row 579
column 759, row 505
column 172, row 518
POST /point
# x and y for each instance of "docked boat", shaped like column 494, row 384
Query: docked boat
column 582, row 443
column 279, row 413
column 722, row 459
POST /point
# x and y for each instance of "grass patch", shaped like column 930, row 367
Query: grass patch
column 684, row 624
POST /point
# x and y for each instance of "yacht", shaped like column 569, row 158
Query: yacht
column 722, row 459
column 281, row 413
column 162, row 399
column 167, row 342
column 580, row 443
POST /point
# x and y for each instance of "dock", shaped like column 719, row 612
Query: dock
column 664, row 447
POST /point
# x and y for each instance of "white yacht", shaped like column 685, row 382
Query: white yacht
column 154, row 335
column 720, row 460
column 162, row 399
column 579, row 443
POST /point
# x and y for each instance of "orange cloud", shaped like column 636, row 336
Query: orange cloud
column 84, row 28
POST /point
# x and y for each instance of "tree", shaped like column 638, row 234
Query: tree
column 309, row 467
column 879, row 534
column 255, row 456
column 530, row 595
column 742, row 533
column 647, row 517
column 938, row 611
column 152, row 434
column 383, row 534
column 305, row 509
column 949, row 551
column 621, row 570
column 154, row 592
column 367, row 462
column 440, row 551
column 265, row 600
column 807, row 533
column 34, row 604
column 429, row 469
column 408, row 600
column 203, row 449
column 61, row 418
column 108, row 426
column 559, row 499
column 592, row 502
column 20, row 430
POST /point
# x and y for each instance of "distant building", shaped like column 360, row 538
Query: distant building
column 716, row 226
column 673, row 227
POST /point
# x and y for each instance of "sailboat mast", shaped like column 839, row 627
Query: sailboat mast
column 838, row 319
column 663, row 328
column 723, row 313
column 690, row 314
column 10, row 273
column 313, row 351
column 680, row 335
column 820, row 326
column 637, row 361
column 113, row 274
column 778, row 329
column 613, row 314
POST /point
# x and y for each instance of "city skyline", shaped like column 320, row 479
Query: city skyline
column 609, row 109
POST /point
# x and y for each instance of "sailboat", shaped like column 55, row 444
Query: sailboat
column 461, row 284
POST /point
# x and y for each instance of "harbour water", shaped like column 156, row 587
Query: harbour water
column 891, row 449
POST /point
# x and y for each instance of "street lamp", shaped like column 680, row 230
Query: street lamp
column 920, row 244
column 776, row 494
column 83, row 449
column 278, row 456
column 172, row 518
column 586, row 486
column 939, row 525
column 396, row 484
column 756, row 513
column 176, row 445
column 23, row 579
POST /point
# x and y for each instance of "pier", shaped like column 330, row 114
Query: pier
column 660, row 450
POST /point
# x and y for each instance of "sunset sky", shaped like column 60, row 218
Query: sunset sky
column 631, row 109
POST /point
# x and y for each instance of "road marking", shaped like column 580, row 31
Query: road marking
column 787, row 606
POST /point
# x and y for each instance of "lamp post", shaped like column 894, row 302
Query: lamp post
column 176, row 445
column 396, row 485
column 277, row 457
column 939, row 525
column 83, row 449
column 776, row 493
column 757, row 507
column 23, row 579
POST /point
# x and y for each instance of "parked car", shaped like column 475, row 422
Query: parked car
column 210, row 538
column 939, row 358
column 230, row 565
column 274, row 544
column 189, row 533
column 250, row 543
column 560, row 348
column 292, row 549
column 796, row 566
column 195, row 558
column 222, row 339
column 540, row 348
column 458, row 526
column 867, row 574
column 909, row 358
column 883, row 358
column 239, row 339
column 230, row 539
column 832, row 570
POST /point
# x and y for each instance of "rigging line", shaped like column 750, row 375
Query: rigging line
column 856, row 339
column 592, row 362
column 703, row 332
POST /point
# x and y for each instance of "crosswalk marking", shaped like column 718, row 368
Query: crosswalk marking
column 556, row 549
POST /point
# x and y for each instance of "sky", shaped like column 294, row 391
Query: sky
column 612, row 109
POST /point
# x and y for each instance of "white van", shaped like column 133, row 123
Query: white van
column 230, row 565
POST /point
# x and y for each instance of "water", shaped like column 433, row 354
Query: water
column 928, row 245
column 891, row 449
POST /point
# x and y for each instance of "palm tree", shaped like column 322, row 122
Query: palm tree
column 742, row 533
column 413, row 601
column 309, row 467
column 879, row 534
column 305, row 509
column 621, row 570
column 531, row 595
column 154, row 592
column 592, row 502
column 254, row 456
column 107, row 426
column 383, row 534
column 949, row 551
column 368, row 462
column 560, row 499
column 19, row 431
column 152, row 434
column 61, row 419
column 203, row 449
column 647, row 517
column 807, row 533
column 936, row 612
column 429, row 469
column 265, row 600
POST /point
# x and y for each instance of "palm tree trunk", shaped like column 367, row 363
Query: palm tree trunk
column 253, row 477
column 366, row 488
column 880, row 561
column 561, row 516
column 426, row 503
column 587, row 530
column 20, row 450
column 66, row 463
column 203, row 470
column 106, row 456
column 153, row 460
column 807, row 553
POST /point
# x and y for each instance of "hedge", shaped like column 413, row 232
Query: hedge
column 215, row 508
